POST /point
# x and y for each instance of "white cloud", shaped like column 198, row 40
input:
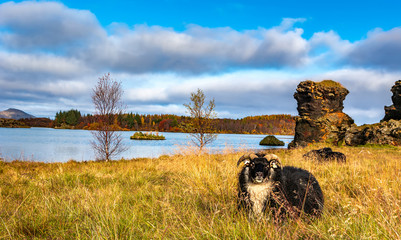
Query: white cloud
column 65, row 88
column 359, row 78
column 288, row 23
column 330, row 40
column 52, row 53
column 46, row 25
column 176, row 109
column 48, row 64
column 369, row 91
column 381, row 49
column 146, row 94
column 370, row 115
column 327, row 49
column 198, row 49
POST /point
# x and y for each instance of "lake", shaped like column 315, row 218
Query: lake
column 61, row 145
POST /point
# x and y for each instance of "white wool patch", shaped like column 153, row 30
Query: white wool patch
column 258, row 195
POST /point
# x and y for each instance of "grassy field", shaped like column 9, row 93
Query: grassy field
column 193, row 197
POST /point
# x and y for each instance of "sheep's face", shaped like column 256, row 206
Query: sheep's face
column 259, row 170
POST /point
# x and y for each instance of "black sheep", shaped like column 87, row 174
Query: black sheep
column 265, row 186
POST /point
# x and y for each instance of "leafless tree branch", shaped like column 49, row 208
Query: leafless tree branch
column 201, row 127
column 106, row 97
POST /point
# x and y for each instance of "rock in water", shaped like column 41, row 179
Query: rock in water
column 271, row 141
column 320, row 106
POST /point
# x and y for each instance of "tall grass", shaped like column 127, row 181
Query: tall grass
column 193, row 197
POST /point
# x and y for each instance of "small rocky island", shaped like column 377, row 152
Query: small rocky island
column 271, row 141
column 147, row 136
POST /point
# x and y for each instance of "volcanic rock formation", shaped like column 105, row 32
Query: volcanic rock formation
column 320, row 106
column 388, row 131
column 394, row 111
column 385, row 132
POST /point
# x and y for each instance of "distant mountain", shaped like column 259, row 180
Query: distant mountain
column 16, row 114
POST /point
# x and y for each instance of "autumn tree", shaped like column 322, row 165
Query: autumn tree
column 106, row 97
column 200, row 127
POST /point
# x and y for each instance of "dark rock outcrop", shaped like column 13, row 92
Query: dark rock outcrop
column 394, row 111
column 321, row 119
column 316, row 99
column 388, row 131
column 325, row 155
column 385, row 132
column 320, row 106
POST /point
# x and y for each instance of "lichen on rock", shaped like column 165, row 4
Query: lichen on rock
column 321, row 118
column 388, row 131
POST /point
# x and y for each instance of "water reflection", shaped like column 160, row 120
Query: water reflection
column 61, row 145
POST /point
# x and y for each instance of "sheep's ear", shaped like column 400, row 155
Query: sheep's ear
column 275, row 164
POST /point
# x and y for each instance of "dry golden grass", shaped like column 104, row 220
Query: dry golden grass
column 193, row 197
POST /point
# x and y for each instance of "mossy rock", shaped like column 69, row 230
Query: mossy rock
column 271, row 141
column 330, row 83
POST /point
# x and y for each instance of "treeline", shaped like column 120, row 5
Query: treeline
column 67, row 118
column 26, row 123
column 266, row 124
column 11, row 123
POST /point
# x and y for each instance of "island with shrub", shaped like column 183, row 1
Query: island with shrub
column 147, row 136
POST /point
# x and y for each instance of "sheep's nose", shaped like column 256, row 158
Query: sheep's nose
column 259, row 174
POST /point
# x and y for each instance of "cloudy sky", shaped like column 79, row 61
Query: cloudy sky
column 247, row 55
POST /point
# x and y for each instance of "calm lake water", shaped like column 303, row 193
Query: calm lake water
column 61, row 145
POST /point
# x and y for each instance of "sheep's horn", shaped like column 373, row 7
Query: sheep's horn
column 271, row 157
column 249, row 156
column 274, row 160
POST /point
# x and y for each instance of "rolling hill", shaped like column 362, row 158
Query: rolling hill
column 16, row 114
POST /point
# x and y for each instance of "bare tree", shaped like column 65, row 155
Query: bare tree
column 201, row 125
column 106, row 97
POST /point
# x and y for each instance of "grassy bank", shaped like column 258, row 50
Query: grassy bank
column 193, row 197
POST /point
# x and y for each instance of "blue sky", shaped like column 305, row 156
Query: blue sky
column 248, row 55
column 350, row 19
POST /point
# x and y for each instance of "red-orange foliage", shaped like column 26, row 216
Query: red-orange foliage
column 283, row 124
